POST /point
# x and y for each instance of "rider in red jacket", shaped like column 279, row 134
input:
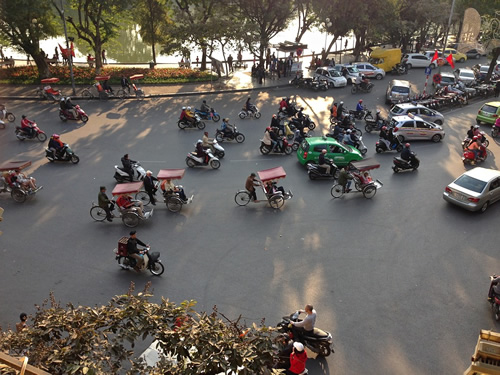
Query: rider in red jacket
column 27, row 126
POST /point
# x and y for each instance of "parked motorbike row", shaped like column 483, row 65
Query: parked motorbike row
column 314, row 83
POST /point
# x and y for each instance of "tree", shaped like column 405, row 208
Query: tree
column 24, row 23
column 95, row 22
column 91, row 340
column 306, row 18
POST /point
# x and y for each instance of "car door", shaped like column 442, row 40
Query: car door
column 494, row 190
column 408, row 130
column 423, row 130
column 421, row 61
column 337, row 154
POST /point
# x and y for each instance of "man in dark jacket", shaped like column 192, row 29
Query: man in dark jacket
column 149, row 186
column 127, row 166
column 105, row 203
column 134, row 252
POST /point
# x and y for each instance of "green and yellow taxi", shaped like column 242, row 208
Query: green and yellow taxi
column 488, row 113
column 341, row 154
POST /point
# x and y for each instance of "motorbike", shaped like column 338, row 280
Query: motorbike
column 494, row 130
column 36, row 133
column 381, row 146
column 399, row 69
column 217, row 149
column 320, row 342
column 320, row 84
column 304, row 122
column 402, row 165
column 316, row 172
column 469, row 157
column 494, row 300
column 244, row 113
column 68, row 153
column 192, row 160
column 185, row 124
column 212, row 115
column 467, row 141
column 65, row 115
column 122, row 176
column 5, row 115
column 360, row 146
column 371, row 125
column 365, row 114
column 285, row 149
column 361, row 88
column 152, row 260
column 220, row 136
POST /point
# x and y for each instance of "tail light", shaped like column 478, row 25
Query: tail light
column 395, row 130
column 447, row 189
column 473, row 200
column 495, row 115
column 305, row 154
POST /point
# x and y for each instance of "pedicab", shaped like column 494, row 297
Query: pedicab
column 363, row 182
column 47, row 92
column 130, row 216
column 276, row 196
column 19, row 189
column 139, row 93
column 171, row 198
column 103, row 90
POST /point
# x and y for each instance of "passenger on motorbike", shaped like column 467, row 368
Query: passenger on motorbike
column 333, row 111
column 364, row 82
column 200, row 151
column 494, row 288
column 475, row 146
column 323, row 163
column 298, row 359
column 226, row 127
column 70, row 107
column 134, row 252
column 62, row 104
column 340, row 110
column 470, row 132
column 268, row 140
column 384, row 137
column 276, row 140
column 204, row 107
column 126, row 202
column 208, row 142
column 284, row 105
column 27, row 126
column 190, row 115
column 56, row 146
column 338, row 132
column 275, row 123
column 353, row 139
column 167, row 186
column 306, row 326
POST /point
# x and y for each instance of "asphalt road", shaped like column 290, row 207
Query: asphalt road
column 400, row 280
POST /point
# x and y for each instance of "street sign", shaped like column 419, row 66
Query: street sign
column 428, row 71
column 436, row 78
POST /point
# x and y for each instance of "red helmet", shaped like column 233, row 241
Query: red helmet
column 361, row 100
column 407, row 145
column 55, row 136
column 475, row 138
column 268, row 128
column 384, row 127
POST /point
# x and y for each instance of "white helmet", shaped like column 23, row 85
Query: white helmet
column 341, row 102
column 183, row 108
column 349, row 131
column 62, row 99
column 299, row 346
column 378, row 110
column 199, row 141
column 189, row 108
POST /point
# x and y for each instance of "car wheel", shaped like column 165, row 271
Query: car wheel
column 436, row 138
column 478, row 56
column 409, row 66
column 461, row 60
column 401, row 138
column 379, row 76
column 485, row 206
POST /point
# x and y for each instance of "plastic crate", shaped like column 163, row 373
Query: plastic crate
column 122, row 246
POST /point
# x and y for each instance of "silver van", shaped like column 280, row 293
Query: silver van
column 397, row 91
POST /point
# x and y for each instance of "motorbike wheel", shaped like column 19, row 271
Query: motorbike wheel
column 378, row 150
column 215, row 117
column 368, row 128
column 364, row 151
column 311, row 125
column 124, row 263
column 337, row 191
column 63, row 118
column 143, row 197
column 220, row 154
column 353, row 89
column 219, row 137
column 242, row 115
column 42, row 137
column 85, row 118
column 75, row 159
column 486, row 143
column 369, row 191
column 277, row 201
column 369, row 117
column 39, row 94
column 174, row 203
column 181, row 125
column 399, row 148
column 97, row 213
column 288, row 150
column 242, row 198
column 494, row 133
column 10, row 117
column 201, row 125
column 325, row 350
column 240, row 138
column 86, row 94
column 395, row 169
column 190, row 163
column 215, row 164
column 157, row 268
column 2, row 125
column 295, row 147
column 265, row 149
column 257, row 115
column 369, row 89
column 130, row 219
column 18, row 195
column 358, row 132
column 312, row 176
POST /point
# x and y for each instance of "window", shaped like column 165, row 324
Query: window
column 413, row 110
column 408, row 124
column 336, row 149
column 318, row 148
column 489, row 109
column 426, row 112
column 422, row 125
column 495, row 184
column 470, row 183
column 420, row 57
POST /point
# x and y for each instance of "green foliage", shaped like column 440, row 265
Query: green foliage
column 95, row 340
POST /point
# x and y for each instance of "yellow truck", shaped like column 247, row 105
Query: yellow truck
column 385, row 58
column 486, row 357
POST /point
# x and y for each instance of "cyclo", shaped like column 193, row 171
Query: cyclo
column 130, row 216
column 139, row 93
column 362, row 180
column 18, row 191
column 102, row 92
column 276, row 196
column 47, row 92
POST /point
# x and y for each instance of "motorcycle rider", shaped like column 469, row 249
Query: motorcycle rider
column 249, row 107
column 105, row 203
column 306, row 326
column 475, row 146
column 127, row 166
column 226, row 127
column 364, row 82
column 359, row 108
column 408, row 155
column 134, row 252
column 298, row 359
column 190, row 115
column 323, row 163
column 284, row 107
column 204, row 107
column 275, row 123
column 276, row 140
column 208, row 142
column 70, row 107
column 352, row 139
column 338, row 132
column 494, row 288
column 334, row 111
column 56, row 146
column 379, row 120
column 470, row 132
column 340, row 110
column 27, row 126
column 268, row 140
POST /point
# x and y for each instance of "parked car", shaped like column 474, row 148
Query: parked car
column 369, row 70
column 457, row 56
column 419, row 110
column 341, row 154
column 397, row 91
column 474, row 53
column 418, row 60
column 474, row 190
column 352, row 72
column 447, row 79
column 488, row 113
column 333, row 77
column 441, row 60
column 410, row 127
column 466, row 75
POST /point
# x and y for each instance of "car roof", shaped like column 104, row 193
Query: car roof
column 451, row 75
column 407, row 118
column 416, row 54
column 466, row 70
column 483, row 174
column 400, row 82
column 362, row 62
column 315, row 140
column 493, row 104
column 410, row 105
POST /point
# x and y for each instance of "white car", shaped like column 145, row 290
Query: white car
column 419, row 110
column 369, row 70
column 418, row 60
column 333, row 77
column 410, row 127
column 352, row 72
column 466, row 75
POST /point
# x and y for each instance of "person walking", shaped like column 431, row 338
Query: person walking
column 56, row 54
column 497, row 89
column 105, row 203
column 149, row 186
column 230, row 63
column 104, row 60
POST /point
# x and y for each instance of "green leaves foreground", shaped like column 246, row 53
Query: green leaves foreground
column 98, row 340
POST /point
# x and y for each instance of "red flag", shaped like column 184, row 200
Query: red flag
column 450, row 61
column 436, row 56
column 72, row 50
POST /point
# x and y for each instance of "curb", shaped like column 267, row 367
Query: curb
column 172, row 95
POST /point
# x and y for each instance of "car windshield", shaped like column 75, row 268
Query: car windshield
column 304, row 145
column 467, row 74
column 334, row 73
column 470, row 183
column 489, row 109
column 397, row 110
column 353, row 69
column 401, row 89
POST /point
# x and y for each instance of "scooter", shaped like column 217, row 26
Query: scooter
column 402, row 165
column 495, row 300
column 494, row 130
column 122, row 176
column 5, row 115
column 152, row 261
column 365, row 114
column 184, row 124
column 360, row 88
column 469, row 157
column 361, row 146
column 320, row 342
column 192, row 160
column 316, row 172
column 235, row 135
column 381, row 146
column 467, row 141
column 212, row 115
column 217, row 149
column 69, row 155
column 244, row 113
column 285, row 149
column 65, row 115
column 36, row 133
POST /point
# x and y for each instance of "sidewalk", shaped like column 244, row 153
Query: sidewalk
column 239, row 81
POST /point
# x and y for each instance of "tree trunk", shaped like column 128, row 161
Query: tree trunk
column 331, row 45
column 495, row 52
column 262, row 49
column 150, row 3
column 41, row 64
column 98, row 58
column 203, row 58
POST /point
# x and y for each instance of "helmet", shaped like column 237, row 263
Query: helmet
column 475, row 138
column 378, row 110
column 188, row 108
column 274, row 115
column 23, row 116
column 55, row 136
column 341, row 102
column 363, row 76
column 384, row 127
column 476, row 126
column 68, row 98
column 360, row 100
column 62, row 99
column 205, row 102
column 183, row 108
column 268, row 128
column 199, row 141
column 283, row 99
column 299, row 346
column 407, row 145
column 348, row 131
column 226, row 119
column 323, row 151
